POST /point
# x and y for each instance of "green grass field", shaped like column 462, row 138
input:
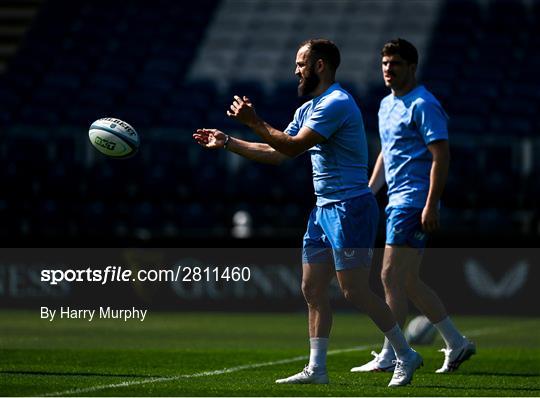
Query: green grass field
column 222, row 354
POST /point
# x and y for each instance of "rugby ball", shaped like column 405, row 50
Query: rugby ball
column 420, row 331
column 114, row 137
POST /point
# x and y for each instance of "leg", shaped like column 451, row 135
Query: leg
column 403, row 229
column 317, row 273
column 355, row 286
column 393, row 277
column 316, row 279
column 350, row 227
column 401, row 275
column 401, row 280
column 401, row 266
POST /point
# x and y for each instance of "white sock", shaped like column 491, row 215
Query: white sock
column 317, row 353
column 387, row 351
column 449, row 333
column 397, row 339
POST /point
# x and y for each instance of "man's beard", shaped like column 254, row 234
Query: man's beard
column 308, row 84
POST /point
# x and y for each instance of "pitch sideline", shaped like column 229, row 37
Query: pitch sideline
column 477, row 332
column 200, row 374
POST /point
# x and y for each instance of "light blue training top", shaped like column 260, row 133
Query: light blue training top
column 340, row 162
column 407, row 125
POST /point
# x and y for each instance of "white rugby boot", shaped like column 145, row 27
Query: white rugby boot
column 404, row 371
column 306, row 376
column 456, row 356
column 380, row 363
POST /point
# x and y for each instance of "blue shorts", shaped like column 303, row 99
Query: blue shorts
column 404, row 227
column 342, row 232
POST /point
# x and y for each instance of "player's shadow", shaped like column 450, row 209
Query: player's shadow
column 78, row 374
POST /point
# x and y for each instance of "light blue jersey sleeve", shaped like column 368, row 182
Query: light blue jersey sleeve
column 294, row 126
column 328, row 116
column 431, row 121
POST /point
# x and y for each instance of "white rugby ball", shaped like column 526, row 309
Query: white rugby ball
column 420, row 331
column 114, row 137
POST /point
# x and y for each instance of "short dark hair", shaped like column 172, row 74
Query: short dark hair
column 323, row 49
column 403, row 48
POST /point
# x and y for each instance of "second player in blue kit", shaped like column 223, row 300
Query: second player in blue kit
column 414, row 163
column 407, row 126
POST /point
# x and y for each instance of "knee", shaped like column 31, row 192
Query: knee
column 390, row 279
column 313, row 294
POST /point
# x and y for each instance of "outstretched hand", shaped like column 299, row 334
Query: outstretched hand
column 243, row 110
column 210, row 138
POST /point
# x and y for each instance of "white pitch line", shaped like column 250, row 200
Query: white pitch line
column 200, row 374
column 483, row 331
column 471, row 333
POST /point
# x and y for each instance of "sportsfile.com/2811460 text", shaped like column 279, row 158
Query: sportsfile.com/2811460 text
column 121, row 274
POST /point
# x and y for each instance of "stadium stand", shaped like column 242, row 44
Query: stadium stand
column 169, row 67
column 15, row 17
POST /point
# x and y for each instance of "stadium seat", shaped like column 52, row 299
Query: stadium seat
column 180, row 65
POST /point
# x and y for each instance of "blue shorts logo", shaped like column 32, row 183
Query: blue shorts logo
column 419, row 235
column 404, row 227
column 348, row 253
